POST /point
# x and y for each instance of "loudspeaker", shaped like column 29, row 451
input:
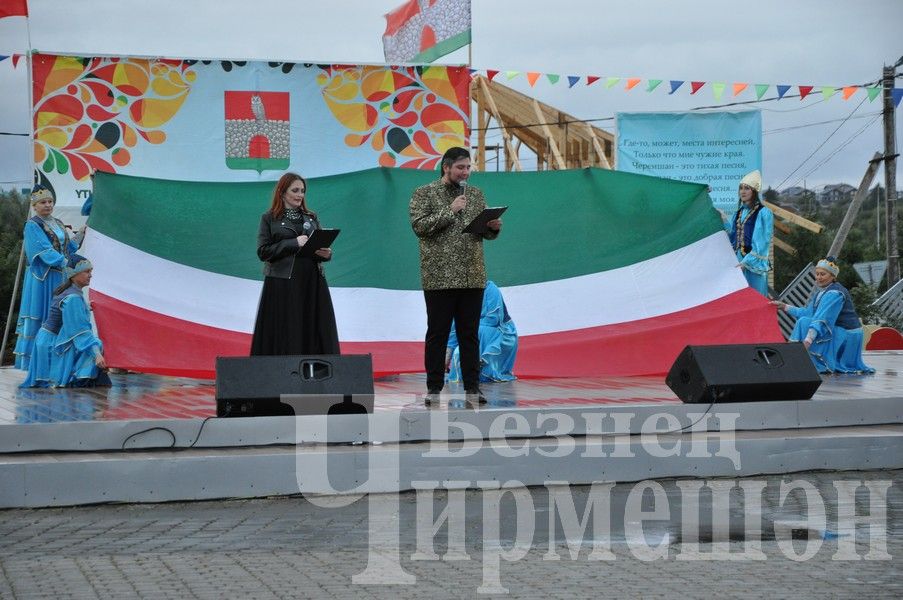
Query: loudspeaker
column 323, row 384
column 743, row 373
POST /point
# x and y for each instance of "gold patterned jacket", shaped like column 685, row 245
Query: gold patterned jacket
column 448, row 258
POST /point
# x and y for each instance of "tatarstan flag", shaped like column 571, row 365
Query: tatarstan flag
column 603, row 272
column 420, row 31
column 13, row 8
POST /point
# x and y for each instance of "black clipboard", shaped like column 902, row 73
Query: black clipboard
column 478, row 225
column 320, row 238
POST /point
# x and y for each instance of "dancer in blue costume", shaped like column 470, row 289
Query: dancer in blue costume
column 47, row 248
column 750, row 232
column 828, row 325
column 498, row 341
column 66, row 351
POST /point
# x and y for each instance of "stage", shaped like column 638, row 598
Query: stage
column 152, row 438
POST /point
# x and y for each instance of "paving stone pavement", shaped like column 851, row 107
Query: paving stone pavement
column 295, row 548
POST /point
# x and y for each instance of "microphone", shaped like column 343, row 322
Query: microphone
column 464, row 188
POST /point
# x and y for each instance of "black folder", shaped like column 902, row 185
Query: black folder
column 320, row 238
column 478, row 225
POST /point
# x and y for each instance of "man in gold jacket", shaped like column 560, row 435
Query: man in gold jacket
column 451, row 270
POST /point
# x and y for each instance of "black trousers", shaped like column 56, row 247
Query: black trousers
column 463, row 306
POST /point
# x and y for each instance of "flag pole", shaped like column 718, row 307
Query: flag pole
column 21, row 264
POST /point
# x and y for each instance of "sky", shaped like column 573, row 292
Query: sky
column 797, row 42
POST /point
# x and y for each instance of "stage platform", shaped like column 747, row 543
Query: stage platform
column 151, row 438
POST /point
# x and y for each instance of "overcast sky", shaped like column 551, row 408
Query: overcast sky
column 796, row 42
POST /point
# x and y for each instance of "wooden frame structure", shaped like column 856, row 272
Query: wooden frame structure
column 559, row 140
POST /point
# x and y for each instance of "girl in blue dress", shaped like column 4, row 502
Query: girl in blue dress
column 828, row 325
column 498, row 341
column 47, row 248
column 66, row 351
column 750, row 231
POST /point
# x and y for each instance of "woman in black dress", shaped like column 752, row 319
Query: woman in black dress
column 295, row 314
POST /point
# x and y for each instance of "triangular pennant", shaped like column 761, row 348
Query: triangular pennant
column 675, row 85
column 849, row 91
column 761, row 88
column 490, row 74
column 653, row 83
column 591, row 79
column 2, row 57
column 532, row 76
column 873, row 92
column 472, row 71
column 553, row 78
column 632, row 83
column 695, row 86
column 611, row 81
column 511, row 74
column 896, row 94
column 739, row 87
column 572, row 80
column 827, row 91
column 718, row 89
column 16, row 59
column 782, row 89
column 804, row 91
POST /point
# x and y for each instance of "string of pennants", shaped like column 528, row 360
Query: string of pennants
column 630, row 83
column 718, row 87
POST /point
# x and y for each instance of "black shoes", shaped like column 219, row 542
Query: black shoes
column 432, row 396
column 475, row 396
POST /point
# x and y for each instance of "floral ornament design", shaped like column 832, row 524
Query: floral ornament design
column 88, row 112
column 409, row 115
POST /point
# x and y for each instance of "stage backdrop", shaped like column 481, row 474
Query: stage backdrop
column 236, row 121
column 715, row 148
column 604, row 273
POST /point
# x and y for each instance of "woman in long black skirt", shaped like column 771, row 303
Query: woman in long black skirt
column 295, row 315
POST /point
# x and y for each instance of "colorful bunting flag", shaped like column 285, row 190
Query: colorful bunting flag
column 804, row 91
column 532, row 76
column 718, row 89
column 653, row 83
column 632, row 83
column 849, row 91
column 553, row 78
column 611, row 81
column 761, row 88
column 695, row 86
column 675, row 85
column 827, row 91
column 873, row 92
column 739, row 87
column 591, row 79
column 782, row 89
column 572, row 80
column 490, row 74
column 896, row 94
column 511, row 74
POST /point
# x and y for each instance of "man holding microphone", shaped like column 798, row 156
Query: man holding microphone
column 451, row 270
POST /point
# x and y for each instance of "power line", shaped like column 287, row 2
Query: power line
column 783, row 129
column 820, row 145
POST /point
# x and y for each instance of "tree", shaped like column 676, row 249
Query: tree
column 13, row 210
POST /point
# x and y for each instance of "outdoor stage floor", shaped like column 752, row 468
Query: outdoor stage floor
column 135, row 396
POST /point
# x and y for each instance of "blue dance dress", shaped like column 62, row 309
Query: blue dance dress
column 498, row 340
column 47, row 248
column 750, row 232
column 830, row 322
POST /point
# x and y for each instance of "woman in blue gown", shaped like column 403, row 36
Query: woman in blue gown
column 47, row 248
column 498, row 341
column 750, row 231
column 828, row 325
column 66, row 351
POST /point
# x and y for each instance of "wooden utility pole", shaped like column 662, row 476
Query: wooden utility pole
column 890, row 179
column 844, row 230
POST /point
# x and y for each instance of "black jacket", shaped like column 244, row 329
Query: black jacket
column 277, row 245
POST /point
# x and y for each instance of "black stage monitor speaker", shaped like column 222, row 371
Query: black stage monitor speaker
column 743, row 373
column 324, row 384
